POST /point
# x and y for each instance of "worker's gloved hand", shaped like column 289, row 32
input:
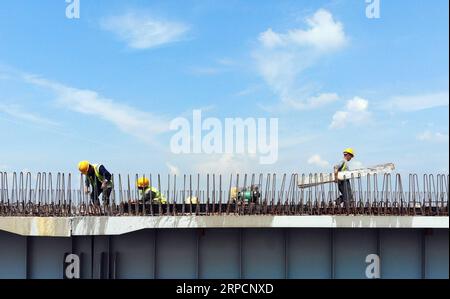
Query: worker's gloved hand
column 86, row 189
column 104, row 184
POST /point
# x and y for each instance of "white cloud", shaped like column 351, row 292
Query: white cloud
column 141, row 31
column 324, row 34
column 355, row 164
column 18, row 113
column 357, row 104
column 313, row 102
column 282, row 57
column 132, row 121
column 271, row 39
column 225, row 163
column 433, row 136
column 318, row 161
column 418, row 102
column 356, row 112
column 173, row 169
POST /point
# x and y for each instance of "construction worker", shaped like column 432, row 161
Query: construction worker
column 149, row 193
column 245, row 195
column 344, row 185
column 99, row 179
column 191, row 200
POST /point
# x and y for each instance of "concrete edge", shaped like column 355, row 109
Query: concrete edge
column 104, row 225
column 37, row 226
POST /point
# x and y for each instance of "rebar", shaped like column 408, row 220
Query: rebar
column 44, row 194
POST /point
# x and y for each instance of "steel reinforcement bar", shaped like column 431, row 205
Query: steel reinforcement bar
column 47, row 194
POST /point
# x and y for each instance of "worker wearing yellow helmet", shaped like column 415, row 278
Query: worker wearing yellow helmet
column 191, row 200
column 344, row 186
column 149, row 193
column 98, row 178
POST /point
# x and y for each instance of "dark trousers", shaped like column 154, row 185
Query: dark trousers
column 345, row 189
column 96, row 193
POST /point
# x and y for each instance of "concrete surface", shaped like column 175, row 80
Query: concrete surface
column 104, row 225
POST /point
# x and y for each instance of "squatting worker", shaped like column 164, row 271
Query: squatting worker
column 148, row 193
column 99, row 179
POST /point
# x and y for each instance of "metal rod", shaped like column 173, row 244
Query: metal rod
column 25, row 194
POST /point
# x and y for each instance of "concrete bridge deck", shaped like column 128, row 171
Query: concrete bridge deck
column 117, row 225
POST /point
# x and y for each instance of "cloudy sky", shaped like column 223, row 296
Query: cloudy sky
column 106, row 86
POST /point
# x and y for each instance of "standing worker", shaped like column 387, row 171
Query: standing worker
column 148, row 192
column 344, row 185
column 99, row 179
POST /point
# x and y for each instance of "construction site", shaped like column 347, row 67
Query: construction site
column 224, row 140
column 241, row 226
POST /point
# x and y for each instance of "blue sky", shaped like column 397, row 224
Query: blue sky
column 105, row 86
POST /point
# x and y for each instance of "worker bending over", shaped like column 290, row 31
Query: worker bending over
column 148, row 193
column 245, row 195
column 99, row 179
column 344, row 185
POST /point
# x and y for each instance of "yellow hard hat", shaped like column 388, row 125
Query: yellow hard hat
column 83, row 167
column 143, row 182
column 234, row 192
column 349, row 151
column 189, row 200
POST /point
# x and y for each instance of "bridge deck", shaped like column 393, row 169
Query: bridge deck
column 115, row 225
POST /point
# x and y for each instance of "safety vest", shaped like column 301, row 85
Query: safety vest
column 344, row 166
column 97, row 172
column 98, row 175
column 158, row 197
